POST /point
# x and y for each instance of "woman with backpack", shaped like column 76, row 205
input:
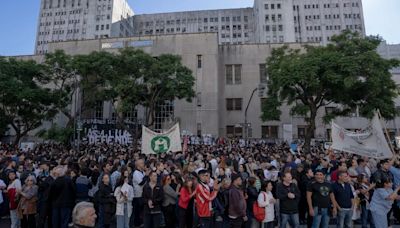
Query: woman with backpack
column 266, row 200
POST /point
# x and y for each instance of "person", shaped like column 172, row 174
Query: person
column 124, row 196
column 289, row 196
column 252, row 196
column 319, row 198
column 305, row 179
column 139, row 180
column 44, row 207
column 343, row 200
column 204, row 198
column 82, row 184
column 106, row 201
column 237, row 203
column 12, row 189
column 187, row 193
column 153, row 197
column 28, row 203
column 363, row 189
column 61, row 198
column 169, row 201
column 382, row 201
column 84, row 215
column 267, row 200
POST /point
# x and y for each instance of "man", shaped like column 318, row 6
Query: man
column 362, row 167
column 84, row 215
column 395, row 170
column 204, row 198
column 237, row 203
column 62, row 198
column 305, row 179
column 341, row 168
column 44, row 207
column 139, row 180
column 343, row 201
column 289, row 196
column 319, row 197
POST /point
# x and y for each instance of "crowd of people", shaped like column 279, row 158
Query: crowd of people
column 218, row 185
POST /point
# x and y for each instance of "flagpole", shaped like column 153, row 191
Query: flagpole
column 387, row 133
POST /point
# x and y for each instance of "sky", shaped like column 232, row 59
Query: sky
column 18, row 18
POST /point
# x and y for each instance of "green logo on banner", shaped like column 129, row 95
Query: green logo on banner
column 160, row 144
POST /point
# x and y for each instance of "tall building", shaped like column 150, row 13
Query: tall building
column 269, row 21
column 64, row 20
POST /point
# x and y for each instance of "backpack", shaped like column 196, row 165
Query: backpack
column 259, row 212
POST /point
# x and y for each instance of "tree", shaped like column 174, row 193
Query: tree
column 64, row 79
column 347, row 72
column 23, row 99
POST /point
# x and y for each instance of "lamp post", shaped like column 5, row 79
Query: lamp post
column 261, row 88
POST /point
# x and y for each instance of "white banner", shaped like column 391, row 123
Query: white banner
column 370, row 143
column 157, row 143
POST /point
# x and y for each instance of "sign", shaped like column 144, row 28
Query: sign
column 158, row 143
column 370, row 143
column 122, row 137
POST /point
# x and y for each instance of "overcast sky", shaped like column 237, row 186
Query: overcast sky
column 19, row 18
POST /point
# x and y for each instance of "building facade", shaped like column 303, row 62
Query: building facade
column 225, row 77
column 268, row 21
column 63, row 20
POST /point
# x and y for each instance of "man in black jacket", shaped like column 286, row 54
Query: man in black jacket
column 62, row 198
column 289, row 196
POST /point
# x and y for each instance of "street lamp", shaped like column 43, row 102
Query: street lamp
column 261, row 89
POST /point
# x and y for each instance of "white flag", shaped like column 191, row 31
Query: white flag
column 370, row 143
column 158, row 143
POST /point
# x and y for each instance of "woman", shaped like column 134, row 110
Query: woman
column 382, row 201
column 27, row 204
column 169, row 202
column 153, row 198
column 106, row 202
column 12, row 189
column 363, row 188
column 266, row 200
column 124, row 195
column 252, row 196
column 186, row 195
column 243, row 173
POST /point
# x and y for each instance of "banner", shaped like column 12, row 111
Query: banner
column 370, row 143
column 158, row 143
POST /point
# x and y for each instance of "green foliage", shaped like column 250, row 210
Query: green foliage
column 348, row 72
column 24, row 102
column 57, row 134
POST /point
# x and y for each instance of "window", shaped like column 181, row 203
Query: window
column 234, row 131
column 98, row 110
column 278, row 6
column 302, row 132
column 266, row 6
column 269, row 132
column 199, row 61
column 234, row 104
column 131, row 115
column 233, row 74
column 272, row 6
column 198, row 98
column 263, row 73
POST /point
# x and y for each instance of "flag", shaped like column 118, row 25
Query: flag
column 158, row 143
column 370, row 143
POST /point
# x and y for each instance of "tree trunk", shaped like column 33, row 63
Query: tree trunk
column 310, row 130
column 18, row 137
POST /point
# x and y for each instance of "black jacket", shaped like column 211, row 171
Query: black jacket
column 106, row 201
column 62, row 193
column 252, row 195
column 156, row 195
column 287, row 205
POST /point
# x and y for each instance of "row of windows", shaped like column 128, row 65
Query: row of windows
column 272, row 6
column 329, row 16
column 311, row 28
column 193, row 20
column 329, row 5
column 49, row 3
column 233, row 74
column 274, row 28
column 234, row 35
column 101, row 27
column 275, row 39
column 103, row 17
column 273, row 17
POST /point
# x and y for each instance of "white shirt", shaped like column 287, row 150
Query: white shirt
column 264, row 201
column 137, row 179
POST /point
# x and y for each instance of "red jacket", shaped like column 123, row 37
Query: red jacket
column 204, row 200
column 184, row 198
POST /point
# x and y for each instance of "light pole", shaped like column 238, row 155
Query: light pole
column 246, row 127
